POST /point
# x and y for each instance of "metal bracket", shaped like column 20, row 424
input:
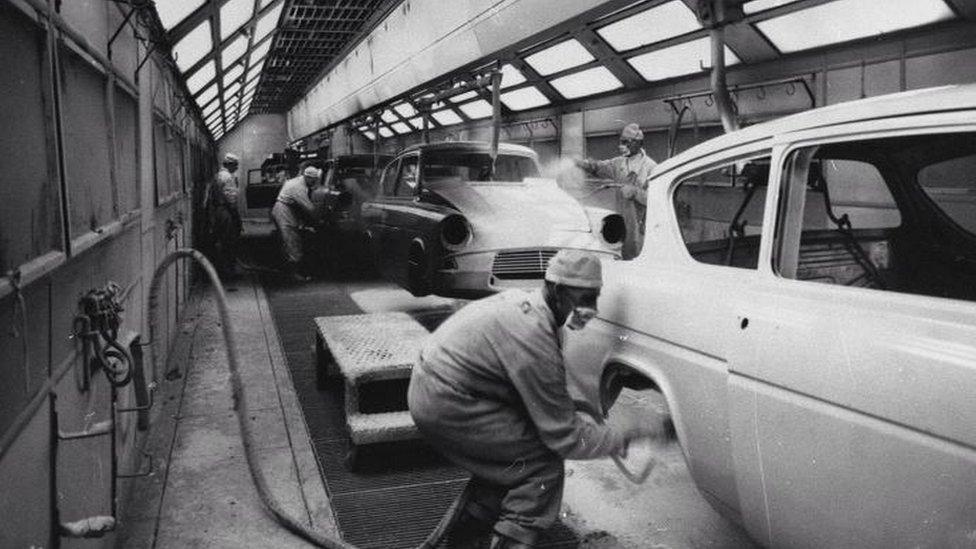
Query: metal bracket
column 115, row 35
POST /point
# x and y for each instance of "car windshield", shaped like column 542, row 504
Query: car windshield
column 456, row 166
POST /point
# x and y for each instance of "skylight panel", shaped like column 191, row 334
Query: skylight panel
column 200, row 78
column 417, row 122
column 368, row 135
column 588, row 82
column 231, row 91
column 756, row 6
column 233, row 15
column 650, row 26
column 845, row 20
column 215, row 115
column 233, row 51
column 511, row 76
column 477, row 109
column 678, row 60
column 254, row 70
column 232, row 75
column 250, row 86
column 401, row 128
column 562, row 56
column 386, row 132
column 406, row 110
column 524, row 98
column 196, row 44
column 388, row 117
column 258, row 53
column 207, row 95
column 463, row 97
column 267, row 22
column 210, row 109
column 447, row 117
column 172, row 12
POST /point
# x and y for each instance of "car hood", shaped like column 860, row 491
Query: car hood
column 508, row 206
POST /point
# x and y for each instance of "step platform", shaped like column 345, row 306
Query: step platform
column 364, row 351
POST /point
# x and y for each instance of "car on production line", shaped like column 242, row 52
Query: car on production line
column 804, row 302
column 449, row 221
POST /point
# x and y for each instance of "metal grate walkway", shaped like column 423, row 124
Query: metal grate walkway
column 400, row 490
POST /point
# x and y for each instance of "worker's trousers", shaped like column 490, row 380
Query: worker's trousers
column 291, row 239
column 517, row 482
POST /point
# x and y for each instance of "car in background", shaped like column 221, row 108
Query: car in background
column 347, row 182
column 804, row 302
column 450, row 221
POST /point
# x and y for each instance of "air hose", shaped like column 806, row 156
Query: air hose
column 272, row 505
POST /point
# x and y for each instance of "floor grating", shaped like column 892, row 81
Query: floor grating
column 399, row 491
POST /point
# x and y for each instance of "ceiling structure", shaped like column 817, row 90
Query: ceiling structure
column 250, row 56
column 246, row 56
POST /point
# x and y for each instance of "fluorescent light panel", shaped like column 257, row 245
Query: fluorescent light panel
column 386, row 132
column 650, row 26
column 463, row 97
column 267, row 22
column 845, row 20
column 207, row 95
column 511, row 76
column 388, row 117
column 447, row 117
column 172, row 12
column 756, row 6
column 233, row 51
column 232, row 75
column 193, row 47
column 588, row 82
column 524, row 98
column 200, row 78
column 260, row 51
column 406, row 110
column 477, row 109
column 562, row 56
column 401, row 128
column 233, row 15
column 678, row 60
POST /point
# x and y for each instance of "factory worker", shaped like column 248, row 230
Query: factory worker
column 489, row 392
column 292, row 210
column 630, row 170
column 223, row 217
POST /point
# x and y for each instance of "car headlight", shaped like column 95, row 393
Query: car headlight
column 614, row 230
column 455, row 232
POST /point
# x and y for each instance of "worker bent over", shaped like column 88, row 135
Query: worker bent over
column 489, row 392
column 293, row 210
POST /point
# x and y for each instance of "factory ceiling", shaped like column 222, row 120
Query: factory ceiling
column 252, row 56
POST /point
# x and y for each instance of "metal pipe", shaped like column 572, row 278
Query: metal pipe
column 720, row 91
column 496, row 114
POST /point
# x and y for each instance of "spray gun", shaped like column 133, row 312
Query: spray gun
column 98, row 327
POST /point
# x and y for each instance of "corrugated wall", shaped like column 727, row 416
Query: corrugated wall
column 98, row 170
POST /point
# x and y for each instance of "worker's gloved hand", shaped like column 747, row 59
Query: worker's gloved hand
column 580, row 163
column 641, row 429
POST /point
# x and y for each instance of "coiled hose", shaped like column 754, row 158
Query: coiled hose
column 240, row 407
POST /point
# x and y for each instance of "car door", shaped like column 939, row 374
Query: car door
column 375, row 216
column 402, row 218
column 862, row 397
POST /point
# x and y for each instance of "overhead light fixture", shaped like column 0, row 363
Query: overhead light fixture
column 588, row 82
column 447, row 117
column 562, row 56
column 193, row 47
column 267, row 23
column 477, row 109
column 524, row 98
column 233, row 15
column 511, row 76
column 406, row 110
column 200, row 78
column 650, row 26
column 679, row 60
column 171, row 12
column 233, row 51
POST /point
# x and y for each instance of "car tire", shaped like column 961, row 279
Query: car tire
column 418, row 275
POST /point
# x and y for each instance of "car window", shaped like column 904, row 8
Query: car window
column 893, row 214
column 457, row 166
column 389, row 177
column 407, row 176
column 951, row 185
column 720, row 212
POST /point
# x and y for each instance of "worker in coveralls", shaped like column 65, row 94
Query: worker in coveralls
column 630, row 170
column 222, row 215
column 489, row 392
column 293, row 210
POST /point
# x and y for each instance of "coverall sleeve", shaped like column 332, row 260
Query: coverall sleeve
column 538, row 374
column 600, row 168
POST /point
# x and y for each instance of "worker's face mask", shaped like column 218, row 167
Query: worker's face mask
column 629, row 147
column 579, row 317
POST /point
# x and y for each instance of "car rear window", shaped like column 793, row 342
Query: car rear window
column 951, row 184
column 454, row 166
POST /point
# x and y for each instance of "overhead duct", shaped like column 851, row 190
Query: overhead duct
column 714, row 15
column 410, row 49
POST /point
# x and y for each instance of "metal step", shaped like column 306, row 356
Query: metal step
column 383, row 427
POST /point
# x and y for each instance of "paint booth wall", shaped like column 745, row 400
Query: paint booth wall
column 98, row 171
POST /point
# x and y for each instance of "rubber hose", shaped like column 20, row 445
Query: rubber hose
column 240, row 407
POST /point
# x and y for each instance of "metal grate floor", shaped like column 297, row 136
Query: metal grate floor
column 400, row 490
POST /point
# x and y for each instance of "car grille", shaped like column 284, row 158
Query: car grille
column 522, row 263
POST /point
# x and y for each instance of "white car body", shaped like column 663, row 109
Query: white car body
column 815, row 414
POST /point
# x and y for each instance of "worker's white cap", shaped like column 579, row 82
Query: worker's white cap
column 575, row 268
column 312, row 171
column 232, row 158
column 632, row 131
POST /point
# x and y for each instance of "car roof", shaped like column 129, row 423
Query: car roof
column 361, row 159
column 471, row 146
column 922, row 101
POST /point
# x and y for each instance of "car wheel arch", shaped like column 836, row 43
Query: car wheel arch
column 641, row 376
column 418, row 268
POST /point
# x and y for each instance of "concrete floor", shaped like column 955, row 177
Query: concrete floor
column 203, row 496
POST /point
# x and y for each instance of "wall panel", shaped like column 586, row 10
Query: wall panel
column 126, row 150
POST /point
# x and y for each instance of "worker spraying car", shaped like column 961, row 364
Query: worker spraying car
column 489, row 392
column 293, row 210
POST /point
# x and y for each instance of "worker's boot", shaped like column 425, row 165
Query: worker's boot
column 468, row 532
column 499, row 541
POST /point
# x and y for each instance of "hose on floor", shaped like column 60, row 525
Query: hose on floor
column 240, row 407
